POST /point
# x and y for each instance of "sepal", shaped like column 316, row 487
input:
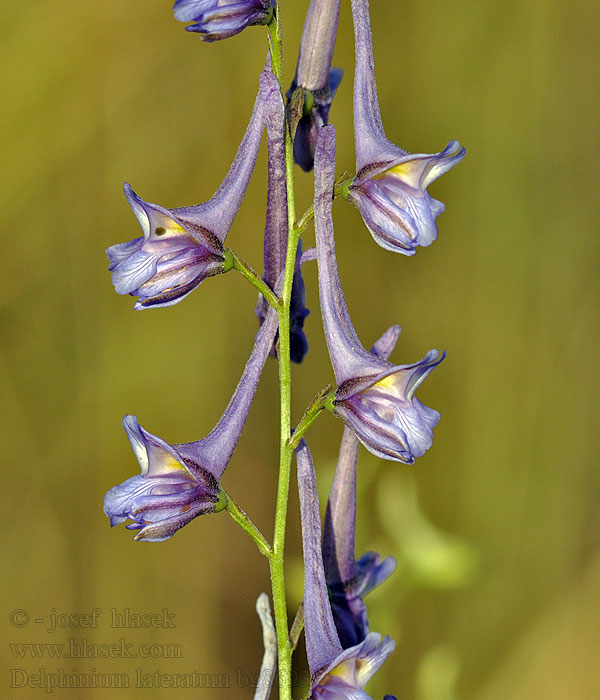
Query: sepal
column 390, row 188
column 181, row 247
column 214, row 20
column 374, row 397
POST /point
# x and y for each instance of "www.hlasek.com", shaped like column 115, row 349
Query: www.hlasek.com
column 84, row 649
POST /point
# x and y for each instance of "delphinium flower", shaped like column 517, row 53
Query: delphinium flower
column 349, row 580
column 390, row 188
column 374, row 397
column 315, row 77
column 179, row 482
column 337, row 673
column 276, row 225
column 220, row 19
column 182, row 247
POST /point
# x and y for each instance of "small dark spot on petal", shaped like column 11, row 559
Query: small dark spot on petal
column 160, row 230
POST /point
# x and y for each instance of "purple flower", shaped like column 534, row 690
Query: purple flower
column 276, row 226
column 390, row 188
column 298, row 312
column 349, row 580
column 182, row 247
column 179, row 482
column 315, row 77
column 374, row 397
column 336, row 673
column 170, row 491
column 220, row 19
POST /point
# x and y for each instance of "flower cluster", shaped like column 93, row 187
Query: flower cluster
column 375, row 398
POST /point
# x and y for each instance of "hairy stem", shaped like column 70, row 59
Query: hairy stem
column 305, row 219
column 246, row 524
column 341, row 190
column 233, row 261
column 285, row 382
column 318, row 404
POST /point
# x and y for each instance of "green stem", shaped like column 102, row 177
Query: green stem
column 233, row 261
column 275, row 44
column 246, row 524
column 304, row 220
column 276, row 561
column 341, row 190
column 342, row 187
column 318, row 404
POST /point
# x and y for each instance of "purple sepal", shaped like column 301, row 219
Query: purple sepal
column 347, row 598
column 336, row 673
column 221, row 19
column 315, row 76
column 182, row 247
column 374, row 397
column 276, row 223
column 217, row 448
column 384, row 413
column 385, row 344
column 276, row 226
column 169, row 261
column 317, row 44
column 298, row 312
column 390, row 186
column 181, row 481
column 347, row 675
column 393, row 200
column 170, row 491
column 348, row 580
column 322, row 641
column 307, row 131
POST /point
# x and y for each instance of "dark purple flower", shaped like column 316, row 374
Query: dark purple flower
column 390, row 188
column 182, row 247
column 298, row 312
column 315, row 76
column 336, row 673
column 220, row 19
column 374, row 397
column 276, row 226
column 179, row 482
column 349, row 580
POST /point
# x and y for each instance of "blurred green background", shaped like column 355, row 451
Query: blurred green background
column 496, row 529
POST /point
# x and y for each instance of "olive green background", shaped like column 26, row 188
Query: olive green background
column 496, row 529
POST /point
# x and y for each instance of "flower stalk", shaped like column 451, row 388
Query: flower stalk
column 234, row 262
column 321, row 401
column 240, row 517
column 304, row 220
